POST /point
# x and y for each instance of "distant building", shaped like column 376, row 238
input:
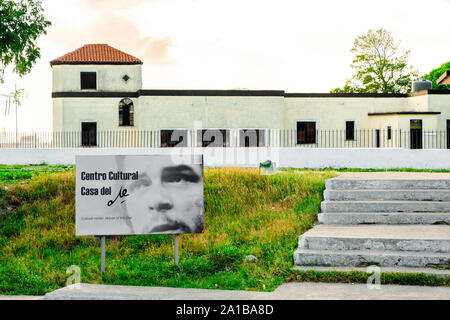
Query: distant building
column 97, row 92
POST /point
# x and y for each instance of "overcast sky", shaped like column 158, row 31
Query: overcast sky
column 291, row 45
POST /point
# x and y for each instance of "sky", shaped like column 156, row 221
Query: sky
column 291, row 45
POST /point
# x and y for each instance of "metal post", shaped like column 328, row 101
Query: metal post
column 15, row 93
column 176, row 249
column 103, row 254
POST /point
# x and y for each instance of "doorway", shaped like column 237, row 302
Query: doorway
column 415, row 134
column 377, row 138
column 89, row 134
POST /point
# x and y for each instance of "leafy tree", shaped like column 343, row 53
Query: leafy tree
column 435, row 74
column 21, row 23
column 380, row 66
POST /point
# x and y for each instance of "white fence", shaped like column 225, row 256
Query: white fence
column 376, row 158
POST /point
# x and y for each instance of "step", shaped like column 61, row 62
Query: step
column 382, row 184
column 386, row 195
column 441, row 273
column 342, row 218
column 385, row 206
column 434, row 238
column 363, row 258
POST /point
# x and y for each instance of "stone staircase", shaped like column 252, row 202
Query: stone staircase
column 391, row 223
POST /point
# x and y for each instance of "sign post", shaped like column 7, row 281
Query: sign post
column 103, row 254
column 176, row 249
column 138, row 194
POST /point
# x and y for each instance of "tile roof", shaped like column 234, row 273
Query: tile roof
column 96, row 54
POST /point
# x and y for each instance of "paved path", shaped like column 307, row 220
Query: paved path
column 21, row 297
column 389, row 175
column 289, row 291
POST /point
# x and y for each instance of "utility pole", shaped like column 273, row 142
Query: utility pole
column 15, row 93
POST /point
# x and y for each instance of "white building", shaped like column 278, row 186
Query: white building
column 98, row 100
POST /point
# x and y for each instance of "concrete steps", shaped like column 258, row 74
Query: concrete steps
column 387, row 195
column 384, row 218
column 364, row 258
column 381, row 184
column 385, row 206
column 382, row 245
column 377, row 237
column 390, row 223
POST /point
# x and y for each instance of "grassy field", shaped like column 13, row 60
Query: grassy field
column 245, row 213
column 10, row 175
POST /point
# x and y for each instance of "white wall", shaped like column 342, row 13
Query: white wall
column 332, row 112
column 251, row 157
column 212, row 111
column 66, row 78
column 70, row 112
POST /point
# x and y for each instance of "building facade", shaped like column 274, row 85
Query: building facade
column 98, row 100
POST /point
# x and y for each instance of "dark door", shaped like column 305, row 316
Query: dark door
column 88, row 134
column 415, row 134
column 377, row 138
column 448, row 134
column 306, row 132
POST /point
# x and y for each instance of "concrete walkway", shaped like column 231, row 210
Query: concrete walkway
column 10, row 297
column 289, row 291
column 389, row 175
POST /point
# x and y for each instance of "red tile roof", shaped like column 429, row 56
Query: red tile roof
column 96, row 54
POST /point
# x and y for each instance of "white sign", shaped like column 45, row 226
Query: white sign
column 148, row 194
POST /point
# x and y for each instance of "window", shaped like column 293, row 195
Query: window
column 252, row 138
column 126, row 113
column 88, row 80
column 389, row 133
column 349, row 130
column 174, row 138
column 306, row 132
column 213, row 138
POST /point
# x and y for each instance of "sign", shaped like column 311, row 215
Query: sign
column 138, row 194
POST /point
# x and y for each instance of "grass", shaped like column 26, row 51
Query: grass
column 245, row 213
column 25, row 173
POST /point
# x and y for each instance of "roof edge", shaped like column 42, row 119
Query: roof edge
column 52, row 63
column 184, row 92
column 255, row 93
column 346, row 95
column 365, row 95
column 403, row 113
column 442, row 77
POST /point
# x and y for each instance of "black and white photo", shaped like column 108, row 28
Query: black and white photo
column 134, row 194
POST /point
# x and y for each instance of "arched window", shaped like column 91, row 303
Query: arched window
column 126, row 112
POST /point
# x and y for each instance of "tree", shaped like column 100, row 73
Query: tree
column 380, row 66
column 21, row 23
column 435, row 74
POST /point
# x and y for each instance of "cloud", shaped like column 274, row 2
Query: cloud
column 105, row 26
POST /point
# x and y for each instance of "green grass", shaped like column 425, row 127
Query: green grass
column 245, row 213
column 361, row 277
column 25, row 173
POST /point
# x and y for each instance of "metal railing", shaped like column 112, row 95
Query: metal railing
column 362, row 138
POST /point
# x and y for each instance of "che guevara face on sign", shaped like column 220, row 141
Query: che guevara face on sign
column 131, row 194
column 167, row 197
